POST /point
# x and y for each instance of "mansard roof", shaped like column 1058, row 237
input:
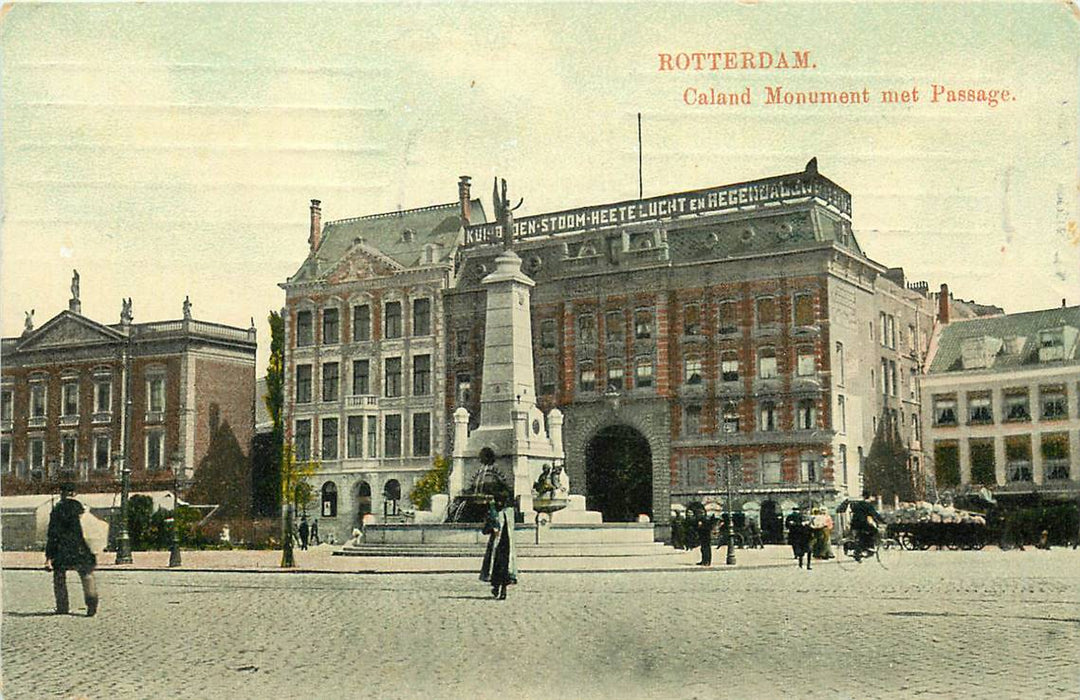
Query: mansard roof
column 399, row 236
column 1012, row 341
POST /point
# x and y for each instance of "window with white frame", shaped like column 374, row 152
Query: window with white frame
column 421, row 316
column 1052, row 402
column 69, row 452
column 392, row 435
column 547, row 333
column 692, row 319
column 614, row 327
column 392, row 377
column 372, row 437
column 586, row 377
column 7, row 406
column 770, row 468
column 945, row 409
column 328, row 439
column 1055, row 454
column 361, row 377
column 614, row 375
column 643, row 324
column 69, row 393
column 421, row 375
column 729, row 366
column 361, row 323
column 103, row 395
column 463, row 389
column 980, row 409
column 1018, row 458
column 841, row 413
column 331, row 381
column 547, row 380
column 805, row 361
column 392, row 319
column 421, row 434
column 155, row 450
column 331, row 326
column 809, row 467
column 5, row 455
column 643, row 373
column 729, row 416
column 586, row 329
column 767, row 416
column 155, row 394
column 767, row 363
column 354, row 437
column 305, row 329
column 840, row 363
column 692, row 370
column 728, row 317
column 36, row 450
column 302, row 440
column 102, row 452
column 806, row 414
column 1017, row 405
column 303, row 384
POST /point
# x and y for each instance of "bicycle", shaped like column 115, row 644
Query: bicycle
column 884, row 550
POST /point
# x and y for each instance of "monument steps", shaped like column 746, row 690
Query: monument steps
column 565, row 549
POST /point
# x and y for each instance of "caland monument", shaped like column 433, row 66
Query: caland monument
column 514, row 440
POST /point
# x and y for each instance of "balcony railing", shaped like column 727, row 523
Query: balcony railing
column 69, row 419
column 155, row 416
column 6, row 425
column 362, row 401
column 102, row 417
column 37, row 421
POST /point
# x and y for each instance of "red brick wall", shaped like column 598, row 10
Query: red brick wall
column 230, row 385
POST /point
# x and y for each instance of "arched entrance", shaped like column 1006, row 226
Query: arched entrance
column 363, row 500
column 618, row 474
column 772, row 522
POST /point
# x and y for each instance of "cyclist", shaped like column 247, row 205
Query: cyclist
column 864, row 519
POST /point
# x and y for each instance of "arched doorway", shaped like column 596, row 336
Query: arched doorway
column 618, row 474
column 772, row 522
column 391, row 498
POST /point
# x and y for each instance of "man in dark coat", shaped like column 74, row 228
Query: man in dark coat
column 705, row 525
column 864, row 520
column 799, row 536
column 66, row 549
column 304, row 530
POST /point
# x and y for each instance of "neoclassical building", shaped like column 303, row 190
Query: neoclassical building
column 365, row 355
column 79, row 397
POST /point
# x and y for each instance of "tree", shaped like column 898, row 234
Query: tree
column 433, row 481
column 266, row 450
column 888, row 466
column 296, row 493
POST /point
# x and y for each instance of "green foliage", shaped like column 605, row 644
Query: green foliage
column 888, row 472
column 275, row 370
column 140, row 514
column 434, row 480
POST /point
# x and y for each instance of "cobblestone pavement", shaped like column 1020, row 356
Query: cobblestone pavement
column 984, row 624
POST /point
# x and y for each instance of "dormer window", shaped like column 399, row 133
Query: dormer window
column 1052, row 344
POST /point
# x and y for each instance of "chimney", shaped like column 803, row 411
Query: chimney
column 316, row 225
column 463, row 197
column 943, row 305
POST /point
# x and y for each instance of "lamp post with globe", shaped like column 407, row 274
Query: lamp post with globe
column 181, row 477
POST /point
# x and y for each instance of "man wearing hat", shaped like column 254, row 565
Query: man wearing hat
column 66, row 549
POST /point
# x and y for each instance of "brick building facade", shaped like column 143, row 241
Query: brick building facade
column 740, row 327
column 65, row 404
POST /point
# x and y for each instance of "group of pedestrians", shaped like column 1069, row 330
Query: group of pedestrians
column 810, row 535
column 306, row 534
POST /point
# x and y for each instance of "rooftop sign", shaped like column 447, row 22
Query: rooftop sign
column 716, row 199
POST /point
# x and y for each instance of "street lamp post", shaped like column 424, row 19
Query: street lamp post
column 123, row 539
column 730, row 559
column 174, row 547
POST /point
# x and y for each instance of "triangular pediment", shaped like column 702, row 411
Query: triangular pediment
column 362, row 262
column 68, row 328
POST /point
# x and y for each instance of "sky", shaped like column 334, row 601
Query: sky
column 167, row 151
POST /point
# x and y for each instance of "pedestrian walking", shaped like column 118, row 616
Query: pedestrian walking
column 705, row 525
column 304, row 531
column 66, row 549
column 677, row 526
column 504, row 556
column 491, row 529
column 313, row 536
column 821, row 526
column 799, row 536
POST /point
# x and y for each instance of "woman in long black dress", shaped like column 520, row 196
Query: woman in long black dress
column 504, row 556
